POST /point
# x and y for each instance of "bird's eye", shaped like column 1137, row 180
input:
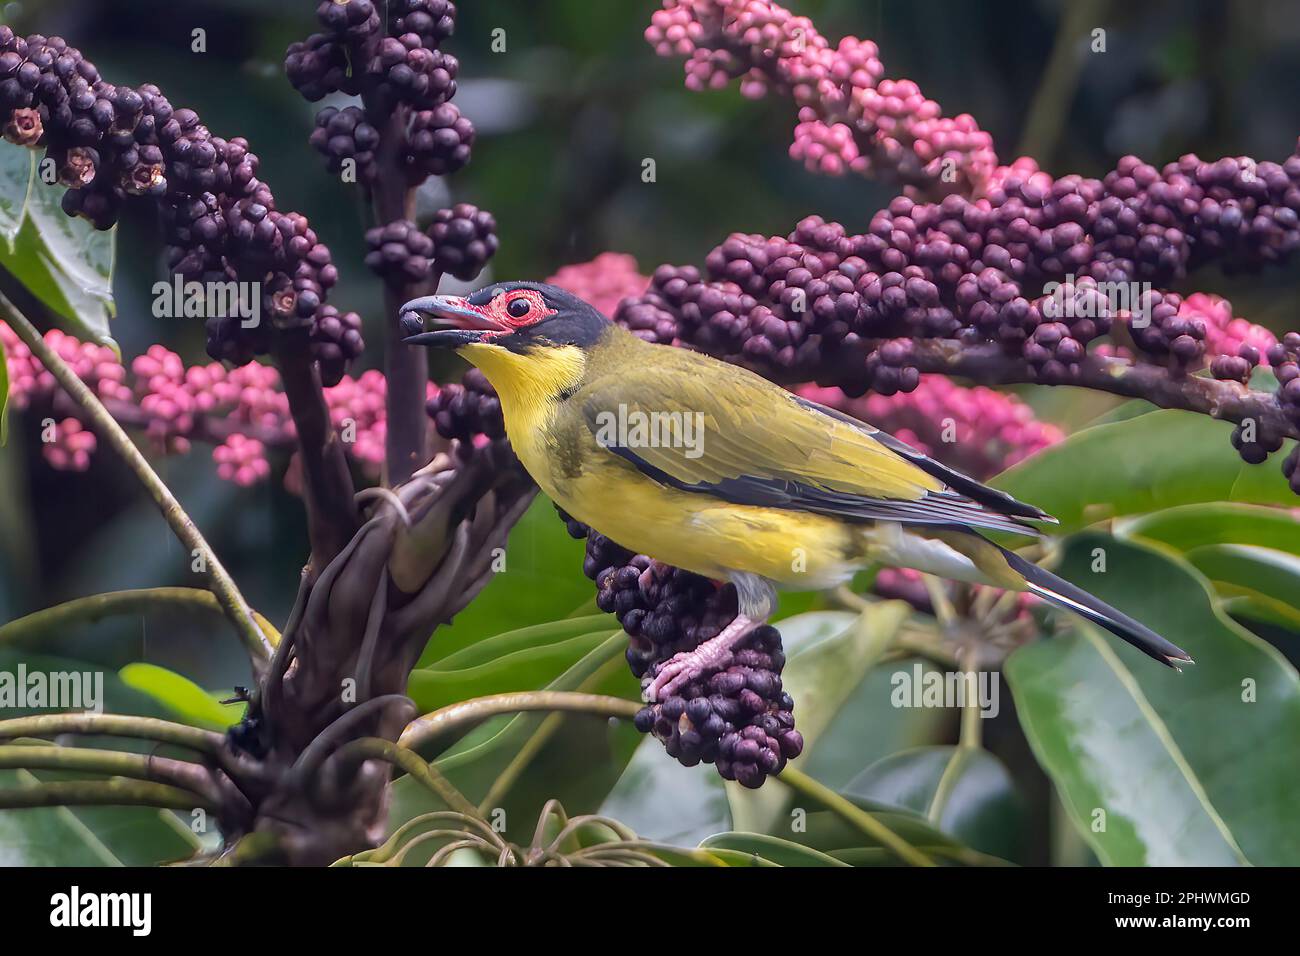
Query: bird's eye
column 518, row 308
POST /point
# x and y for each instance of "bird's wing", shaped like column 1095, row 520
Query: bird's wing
column 720, row 431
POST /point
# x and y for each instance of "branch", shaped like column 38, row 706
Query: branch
column 98, row 606
column 375, row 748
column 464, row 716
column 115, row 725
column 223, row 586
column 177, row 773
column 1227, row 400
column 87, row 793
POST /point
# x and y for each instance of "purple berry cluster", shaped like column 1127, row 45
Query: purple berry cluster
column 388, row 55
column 737, row 717
column 468, row 412
column 464, row 239
column 110, row 142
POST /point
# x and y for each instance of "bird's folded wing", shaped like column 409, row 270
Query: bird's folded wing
column 742, row 440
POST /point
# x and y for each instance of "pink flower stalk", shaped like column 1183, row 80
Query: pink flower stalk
column 605, row 281
column 243, row 412
column 850, row 118
column 976, row 430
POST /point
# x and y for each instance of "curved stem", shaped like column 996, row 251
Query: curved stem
column 177, row 773
column 117, row 792
column 115, row 725
column 375, row 748
column 95, row 607
column 463, row 716
column 859, row 819
column 223, row 586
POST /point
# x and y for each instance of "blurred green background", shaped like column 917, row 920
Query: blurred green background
column 565, row 117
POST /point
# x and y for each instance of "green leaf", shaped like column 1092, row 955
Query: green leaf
column 1159, row 460
column 1245, row 570
column 1193, row 768
column 774, row 849
column 88, row 836
column 965, row 792
column 528, row 669
column 17, row 170
column 65, row 262
column 542, row 581
column 182, row 697
column 821, row 673
column 1220, row 522
column 662, row 800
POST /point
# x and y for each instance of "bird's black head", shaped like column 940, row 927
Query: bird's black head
column 519, row 316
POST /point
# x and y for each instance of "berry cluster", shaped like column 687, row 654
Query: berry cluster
column 468, row 412
column 394, row 63
column 738, row 717
column 110, row 142
column 345, row 134
column 399, row 251
column 978, row 431
column 242, row 412
column 850, row 118
column 603, row 282
column 464, row 239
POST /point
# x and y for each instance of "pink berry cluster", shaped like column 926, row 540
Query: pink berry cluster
column 850, row 118
column 978, row 431
column 242, row 412
column 604, row 281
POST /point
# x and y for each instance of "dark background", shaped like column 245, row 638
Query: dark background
column 565, row 117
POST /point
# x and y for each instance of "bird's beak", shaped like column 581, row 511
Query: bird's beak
column 465, row 323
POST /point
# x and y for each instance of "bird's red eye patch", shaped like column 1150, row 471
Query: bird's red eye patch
column 519, row 308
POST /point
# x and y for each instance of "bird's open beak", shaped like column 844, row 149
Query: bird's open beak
column 465, row 323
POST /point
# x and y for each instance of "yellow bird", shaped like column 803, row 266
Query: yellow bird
column 712, row 468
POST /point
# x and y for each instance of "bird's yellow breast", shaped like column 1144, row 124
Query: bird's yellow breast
column 696, row 532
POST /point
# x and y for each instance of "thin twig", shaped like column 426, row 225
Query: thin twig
column 467, row 714
column 223, row 586
column 117, row 792
column 375, row 748
column 95, row 607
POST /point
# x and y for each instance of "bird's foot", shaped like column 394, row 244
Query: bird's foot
column 681, row 669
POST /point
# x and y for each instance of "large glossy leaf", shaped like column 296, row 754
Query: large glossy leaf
column 1273, row 577
column 1159, row 460
column 1220, row 522
column 528, row 669
column 965, row 792
column 662, row 800
column 821, row 673
column 542, row 581
column 1155, row 766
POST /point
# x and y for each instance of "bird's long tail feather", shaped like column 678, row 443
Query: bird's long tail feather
column 1062, row 593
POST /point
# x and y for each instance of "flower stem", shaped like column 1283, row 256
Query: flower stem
column 463, row 716
column 98, row 606
column 223, row 586
column 116, row 792
column 853, row 815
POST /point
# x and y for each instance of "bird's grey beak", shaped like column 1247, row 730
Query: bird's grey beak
column 466, row 323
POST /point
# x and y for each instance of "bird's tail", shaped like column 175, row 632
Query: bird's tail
column 1062, row 593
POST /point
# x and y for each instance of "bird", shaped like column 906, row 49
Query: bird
column 709, row 467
